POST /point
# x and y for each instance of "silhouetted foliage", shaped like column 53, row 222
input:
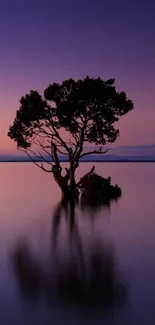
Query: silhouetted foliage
column 97, row 190
column 85, row 109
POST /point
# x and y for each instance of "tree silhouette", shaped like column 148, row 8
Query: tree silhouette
column 86, row 110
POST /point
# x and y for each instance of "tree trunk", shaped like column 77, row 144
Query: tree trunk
column 72, row 182
column 66, row 183
column 63, row 184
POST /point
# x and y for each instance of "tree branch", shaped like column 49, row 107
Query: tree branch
column 63, row 153
column 55, row 156
column 60, row 139
column 40, row 142
column 79, row 145
column 40, row 166
column 46, row 161
column 97, row 152
column 85, row 176
column 51, row 156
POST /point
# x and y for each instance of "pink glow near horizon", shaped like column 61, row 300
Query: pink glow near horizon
column 136, row 128
column 104, row 44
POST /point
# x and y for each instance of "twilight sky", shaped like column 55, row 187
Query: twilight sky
column 43, row 41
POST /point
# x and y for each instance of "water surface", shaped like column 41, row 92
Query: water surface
column 54, row 260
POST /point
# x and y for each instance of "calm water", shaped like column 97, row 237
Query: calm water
column 65, row 265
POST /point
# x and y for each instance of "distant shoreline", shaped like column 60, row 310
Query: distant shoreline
column 84, row 161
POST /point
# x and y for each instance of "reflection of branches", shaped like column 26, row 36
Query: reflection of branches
column 57, row 217
column 93, row 205
column 67, row 209
column 96, row 286
column 27, row 270
column 85, row 279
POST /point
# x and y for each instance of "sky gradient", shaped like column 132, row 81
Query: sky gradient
column 47, row 41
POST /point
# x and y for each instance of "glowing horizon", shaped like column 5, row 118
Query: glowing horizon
column 105, row 44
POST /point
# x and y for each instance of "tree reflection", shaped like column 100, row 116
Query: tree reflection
column 91, row 285
column 27, row 271
column 95, row 202
column 86, row 279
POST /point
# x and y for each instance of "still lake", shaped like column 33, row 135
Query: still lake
column 65, row 266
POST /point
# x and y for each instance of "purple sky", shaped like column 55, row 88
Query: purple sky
column 46, row 41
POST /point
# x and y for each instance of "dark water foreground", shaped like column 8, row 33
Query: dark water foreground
column 65, row 264
column 84, row 279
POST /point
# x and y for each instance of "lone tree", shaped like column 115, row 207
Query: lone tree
column 82, row 111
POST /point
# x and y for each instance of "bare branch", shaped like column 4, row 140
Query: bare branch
column 72, row 143
column 40, row 129
column 36, row 163
column 46, row 161
column 63, row 153
column 80, row 142
column 61, row 140
column 96, row 152
column 44, row 134
column 47, row 152
column 40, row 142
column 85, row 176
column 56, row 141
column 75, row 136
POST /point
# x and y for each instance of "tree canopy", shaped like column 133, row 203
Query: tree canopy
column 86, row 110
